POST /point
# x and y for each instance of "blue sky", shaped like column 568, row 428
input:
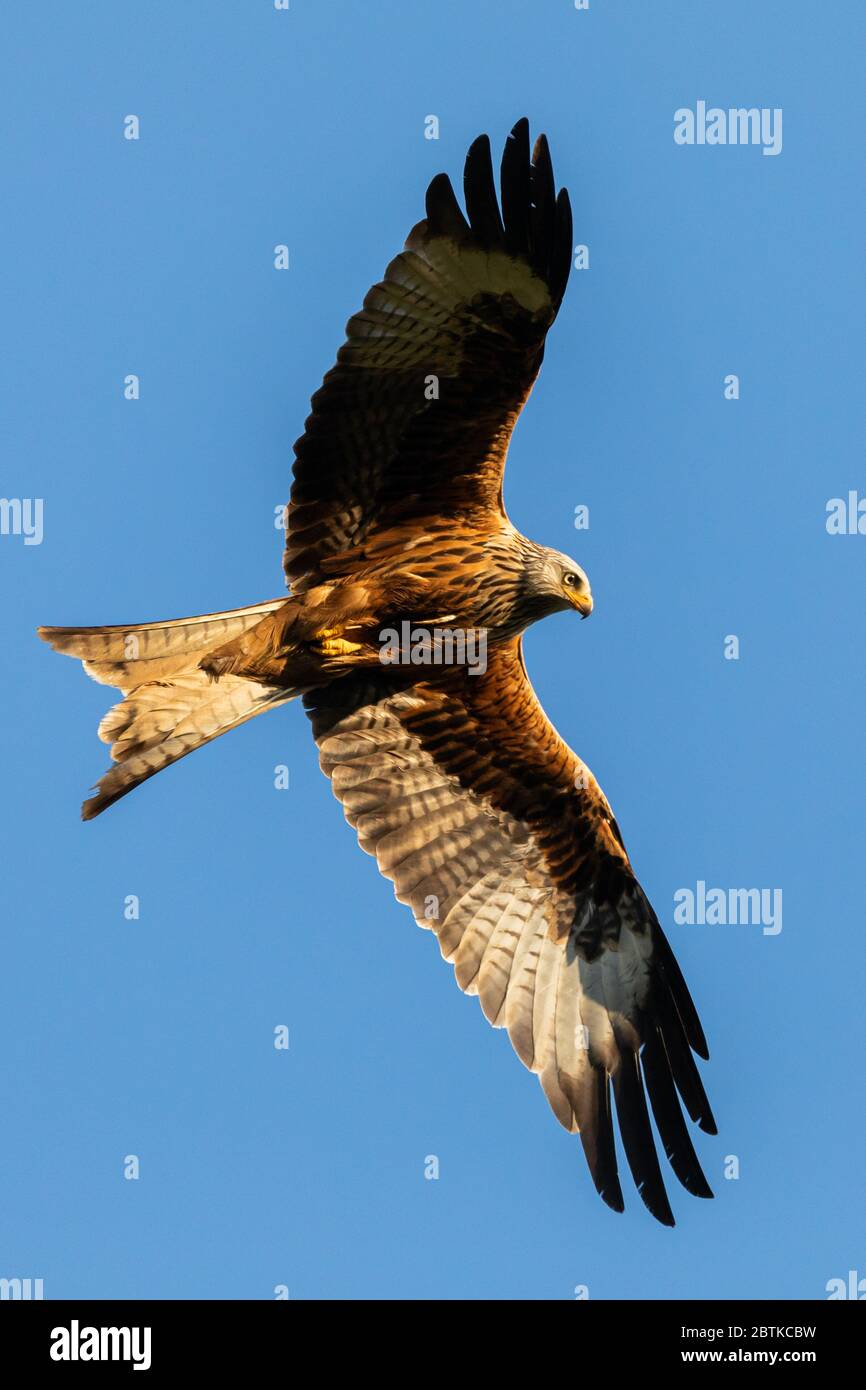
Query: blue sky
column 707, row 518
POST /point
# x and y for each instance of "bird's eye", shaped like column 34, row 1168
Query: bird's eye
column 569, row 580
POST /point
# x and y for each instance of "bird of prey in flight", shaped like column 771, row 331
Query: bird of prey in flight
column 490, row 828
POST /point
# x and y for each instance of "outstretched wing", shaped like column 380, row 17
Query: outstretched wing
column 415, row 418
column 501, row 841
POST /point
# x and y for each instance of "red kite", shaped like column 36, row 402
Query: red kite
column 494, row 833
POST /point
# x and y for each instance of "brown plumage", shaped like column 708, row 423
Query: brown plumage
column 490, row 828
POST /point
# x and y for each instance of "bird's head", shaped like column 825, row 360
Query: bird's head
column 560, row 582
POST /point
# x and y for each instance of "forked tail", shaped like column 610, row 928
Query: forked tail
column 170, row 706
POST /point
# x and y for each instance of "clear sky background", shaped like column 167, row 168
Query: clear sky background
column 707, row 518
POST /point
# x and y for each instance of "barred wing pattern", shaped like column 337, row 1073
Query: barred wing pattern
column 467, row 304
column 501, row 841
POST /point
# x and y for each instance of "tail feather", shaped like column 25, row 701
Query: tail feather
column 159, row 723
column 171, row 706
column 129, row 654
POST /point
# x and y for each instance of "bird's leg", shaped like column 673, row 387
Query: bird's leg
column 331, row 643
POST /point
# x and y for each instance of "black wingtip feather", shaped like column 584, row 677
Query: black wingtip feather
column 612, row 1197
column 637, row 1138
column 679, row 990
column 560, row 261
column 541, row 218
column 444, row 215
column 514, row 182
column 681, row 1062
column 534, row 224
column 590, row 1101
column 669, row 1118
column 480, row 190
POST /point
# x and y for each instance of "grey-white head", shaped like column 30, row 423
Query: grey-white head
column 555, row 582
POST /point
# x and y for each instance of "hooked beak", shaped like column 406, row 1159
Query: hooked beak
column 583, row 603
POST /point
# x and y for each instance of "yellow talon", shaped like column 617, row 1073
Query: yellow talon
column 337, row 646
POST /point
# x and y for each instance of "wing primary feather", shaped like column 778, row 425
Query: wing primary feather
column 637, row 1136
column 679, row 992
column 480, row 190
column 514, row 182
column 543, row 204
column 560, row 264
column 444, row 215
column 592, row 1111
column 669, row 1118
column 682, row 1063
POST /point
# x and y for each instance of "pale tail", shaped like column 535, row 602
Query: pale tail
column 171, row 707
